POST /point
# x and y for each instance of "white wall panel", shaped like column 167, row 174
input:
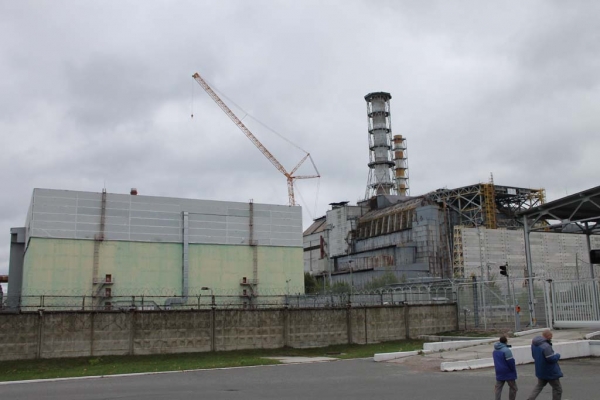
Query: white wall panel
column 72, row 214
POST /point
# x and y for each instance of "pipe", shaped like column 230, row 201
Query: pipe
column 184, row 265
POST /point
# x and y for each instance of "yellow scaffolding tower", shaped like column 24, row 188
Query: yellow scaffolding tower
column 489, row 203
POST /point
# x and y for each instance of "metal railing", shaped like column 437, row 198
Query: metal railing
column 482, row 305
column 410, row 295
column 575, row 303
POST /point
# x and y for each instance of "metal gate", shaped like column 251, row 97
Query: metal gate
column 575, row 304
column 501, row 304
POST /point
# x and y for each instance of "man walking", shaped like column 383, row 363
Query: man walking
column 547, row 369
column 506, row 370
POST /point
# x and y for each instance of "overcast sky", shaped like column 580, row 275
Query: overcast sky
column 99, row 93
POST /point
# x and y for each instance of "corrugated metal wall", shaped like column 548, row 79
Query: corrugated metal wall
column 76, row 215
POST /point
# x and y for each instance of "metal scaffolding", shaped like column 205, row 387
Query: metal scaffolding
column 487, row 204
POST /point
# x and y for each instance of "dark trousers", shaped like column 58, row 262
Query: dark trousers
column 556, row 389
column 512, row 392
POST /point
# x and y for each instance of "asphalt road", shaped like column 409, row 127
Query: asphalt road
column 347, row 380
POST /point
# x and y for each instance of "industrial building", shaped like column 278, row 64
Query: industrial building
column 444, row 234
column 106, row 246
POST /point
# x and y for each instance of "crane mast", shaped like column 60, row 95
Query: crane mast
column 289, row 175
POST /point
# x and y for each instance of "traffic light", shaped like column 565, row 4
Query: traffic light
column 595, row 256
column 504, row 270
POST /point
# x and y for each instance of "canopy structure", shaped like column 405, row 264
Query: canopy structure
column 576, row 213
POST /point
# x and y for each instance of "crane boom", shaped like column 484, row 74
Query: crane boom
column 289, row 175
column 239, row 123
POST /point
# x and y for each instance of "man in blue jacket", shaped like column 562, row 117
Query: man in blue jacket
column 506, row 370
column 546, row 366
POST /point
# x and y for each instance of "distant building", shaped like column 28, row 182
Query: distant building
column 106, row 246
column 445, row 234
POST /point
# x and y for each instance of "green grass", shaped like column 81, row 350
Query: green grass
column 481, row 334
column 110, row 365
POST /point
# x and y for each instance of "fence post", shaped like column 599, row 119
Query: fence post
column 213, row 329
column 475, row 303
column 366, row 327
column 548, row 299
column 91, row 332
column 458, row 309
column 286, row 326
column 349, row 323
column 40, row 334
column 516, row 314
column 131, row 331
column 458, row 318
column 406, row 321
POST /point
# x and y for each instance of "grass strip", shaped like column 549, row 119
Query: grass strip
column 474, row 333
column 110, row 365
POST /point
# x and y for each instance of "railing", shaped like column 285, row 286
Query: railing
column 575, row 303
column 415, row 295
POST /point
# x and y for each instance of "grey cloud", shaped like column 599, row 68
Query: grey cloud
column 98, row 91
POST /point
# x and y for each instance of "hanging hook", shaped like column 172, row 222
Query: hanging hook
column 192, row 100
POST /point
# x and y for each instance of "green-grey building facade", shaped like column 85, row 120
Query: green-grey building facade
column 175, row 252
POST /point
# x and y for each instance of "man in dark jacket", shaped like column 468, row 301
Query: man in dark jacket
column 506, row 370
column 546, row 366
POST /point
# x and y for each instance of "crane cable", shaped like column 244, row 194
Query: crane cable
column 247, row 114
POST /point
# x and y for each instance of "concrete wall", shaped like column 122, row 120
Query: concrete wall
column 340, row 221
column 80, row 334
column 15, row 266
column 553, row 254
column 313, row 263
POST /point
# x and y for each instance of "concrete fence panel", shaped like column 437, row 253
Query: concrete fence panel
column 317, row 327
column 111, row 334
column 173, row 332
column 425, row 319
column 81, row 334
column 248, row 329
column 19, row 336
column 66, row 335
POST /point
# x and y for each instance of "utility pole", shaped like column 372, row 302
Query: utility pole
column 482, row 279
column 504, row 271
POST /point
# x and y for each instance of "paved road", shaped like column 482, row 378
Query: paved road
column 347, row 380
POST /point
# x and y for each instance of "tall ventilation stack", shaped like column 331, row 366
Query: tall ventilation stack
column 380, row 144
column 401, row 165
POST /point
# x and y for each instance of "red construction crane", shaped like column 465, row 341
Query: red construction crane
column 289, row 175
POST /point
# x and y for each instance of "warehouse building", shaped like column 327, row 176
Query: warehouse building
column 170, row 250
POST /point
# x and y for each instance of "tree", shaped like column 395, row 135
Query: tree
column 340, row 287
column 310, row 283
column 387, row 278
